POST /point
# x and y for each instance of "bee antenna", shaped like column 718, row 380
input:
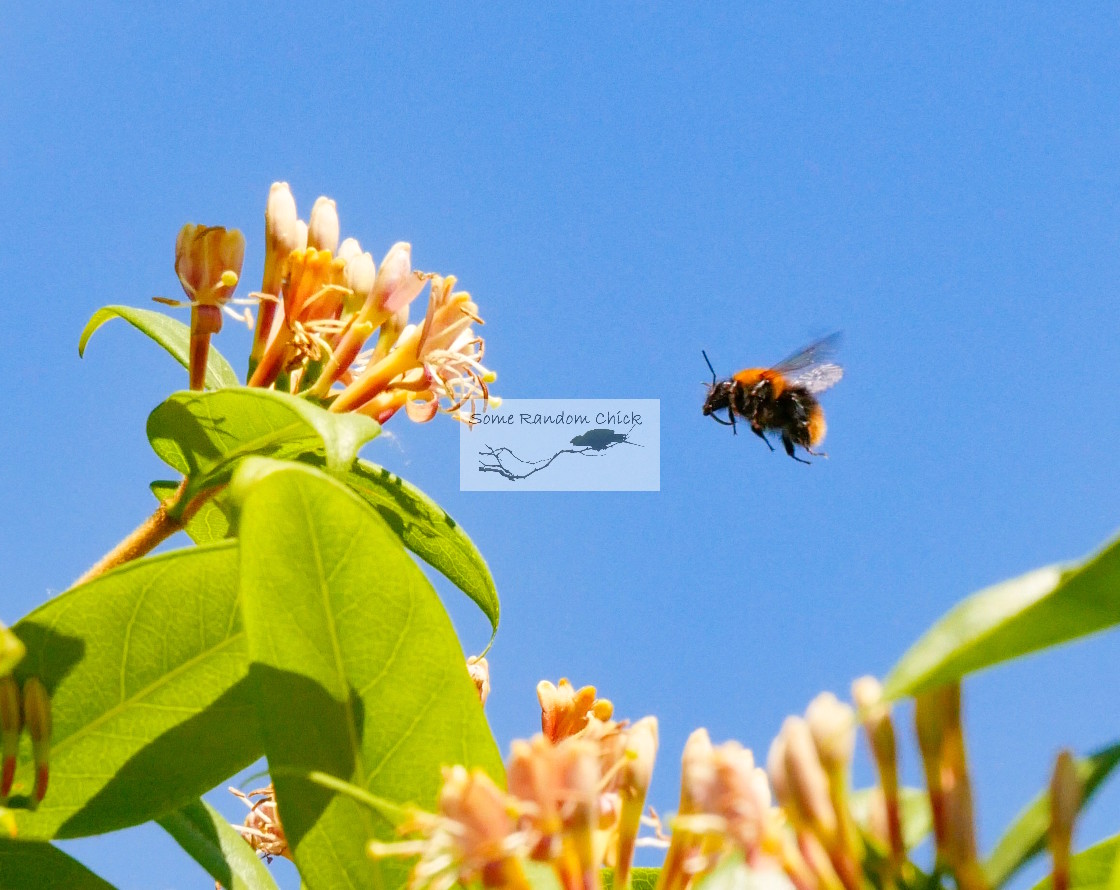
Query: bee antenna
column 710, row 368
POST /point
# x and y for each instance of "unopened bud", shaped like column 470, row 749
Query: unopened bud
column 867, row 693
column 1065, row 801
column 281, row 223
column 697, row 770
column 37, row 719
column 359, row 274
column 832, row 725
column 323, row 227
column 392, row 288
column 11, row 723
column 348, row 249
column 479, row 669
column 808, row 784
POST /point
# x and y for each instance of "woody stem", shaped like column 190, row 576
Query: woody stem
column 157, row 528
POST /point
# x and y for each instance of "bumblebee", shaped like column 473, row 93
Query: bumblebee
column 781, row 398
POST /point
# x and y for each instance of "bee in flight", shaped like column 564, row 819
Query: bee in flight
column 780, row 398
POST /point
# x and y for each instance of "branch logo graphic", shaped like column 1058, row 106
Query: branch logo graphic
column 563, row 445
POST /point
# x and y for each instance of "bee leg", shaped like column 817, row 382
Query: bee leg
column 758, row 431
column 788, row 443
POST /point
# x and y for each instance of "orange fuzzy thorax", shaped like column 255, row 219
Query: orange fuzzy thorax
column 751, row 376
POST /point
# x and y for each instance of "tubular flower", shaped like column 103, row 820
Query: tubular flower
column 867, row 693
column 832, row 725
column 11, row 724
column 559, row 786
column 208, row 262
column 1065, row 800
column 639, row 743
column 37, row 719
column 433, row 366
column 565, row 710
column 473, row 837
column 314, row 296
column 283, row 233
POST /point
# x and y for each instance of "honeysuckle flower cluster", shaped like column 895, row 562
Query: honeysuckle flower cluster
column 574, row 802
column 577, row 790
column 334, row 325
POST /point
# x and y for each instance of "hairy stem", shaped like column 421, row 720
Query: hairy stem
column 153, row 531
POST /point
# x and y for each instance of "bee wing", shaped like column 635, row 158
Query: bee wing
column 816, row 353
column 818, row 378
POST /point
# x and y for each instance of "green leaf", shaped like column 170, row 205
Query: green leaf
column 1091, row 869
column 1026, row 837
column 640, row 878
column 204, row 435
column 357, row 669
column 917, row 820
column 1040, row 609
column 428, row 532
column 215, row 845
column 733, row 874
column 147, row 671
column 170, row 333
column 36, row 864
column 208, row 524
column 541, row 875
column 11, row 650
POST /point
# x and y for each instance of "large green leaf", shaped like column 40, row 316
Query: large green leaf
column 40, row 865
column 208, row 523
column 1092, row 869
column 204, row 435
column 427, row 530
column 1026, row 837
column 170, row 333
column 11, row 650
column 1040, row 609
column 215, row 845
column 357, row 669
column 146, row 667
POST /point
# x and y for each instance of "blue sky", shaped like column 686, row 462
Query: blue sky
column 619, row 187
